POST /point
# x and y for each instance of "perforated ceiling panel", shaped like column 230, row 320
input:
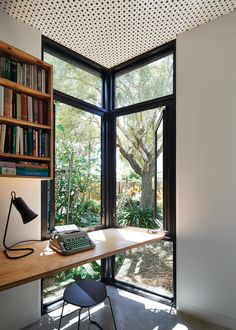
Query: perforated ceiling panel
column 113, row 31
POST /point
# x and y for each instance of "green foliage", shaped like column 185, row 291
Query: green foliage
column 77, row 180
column 131, row 213
column 91, row 272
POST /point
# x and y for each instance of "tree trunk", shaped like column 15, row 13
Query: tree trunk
column 147, row 191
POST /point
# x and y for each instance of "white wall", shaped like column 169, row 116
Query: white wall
column 206, row 171
column 21, row 305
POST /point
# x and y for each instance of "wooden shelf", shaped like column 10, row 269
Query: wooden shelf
column 21, row 56
column 27, row 61
column 25, row 157
column 23, row 89
column 26, row 177
column 13, row 121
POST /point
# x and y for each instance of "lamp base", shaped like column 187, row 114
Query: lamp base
column 30, row 251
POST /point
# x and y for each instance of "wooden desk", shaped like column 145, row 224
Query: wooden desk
column 44, row 261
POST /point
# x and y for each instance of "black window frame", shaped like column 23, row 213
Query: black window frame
column 109, row 113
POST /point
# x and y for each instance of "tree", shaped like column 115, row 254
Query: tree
column 136, row 132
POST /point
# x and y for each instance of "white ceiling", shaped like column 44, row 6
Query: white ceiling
column 110, row 32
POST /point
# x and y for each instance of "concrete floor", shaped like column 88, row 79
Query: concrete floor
column 131, row 312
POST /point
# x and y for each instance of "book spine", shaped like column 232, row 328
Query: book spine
column 30, row 141
column 30, row 109
column 39, row 76
column 25, row 133
column 8, row 102
column 27, row 172
column 7, row 171
column 40, row 142
column 24, row 107
column 14, row 139
column 46, row 142
column 21, row 141
column 14, row 105
column 7, row 164
column 1, row 100
column 35, row 110
column 8, row 142
column 40, row 111
column 13, row 70
column 18, row 106
column 17, row 140
column 2, row 138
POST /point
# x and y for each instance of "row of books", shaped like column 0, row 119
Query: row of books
column 22, row 107
column 24, row 141
column 29, row 75
column 23, row 168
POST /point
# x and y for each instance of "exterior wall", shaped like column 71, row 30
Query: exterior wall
column 206, row 171
column 21, row 305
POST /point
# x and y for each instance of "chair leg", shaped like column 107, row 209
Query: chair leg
column 79, row 318
column 61, row 315
column 94, row 322
column 112, row 312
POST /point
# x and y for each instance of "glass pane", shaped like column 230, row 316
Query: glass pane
column 145, row 83
column 75, row 81
column 139, row 176
column 135, row 171
column 149, row 267
column 158, row 206
column 77, row 167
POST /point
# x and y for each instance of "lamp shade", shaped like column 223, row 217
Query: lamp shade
column 26, row 213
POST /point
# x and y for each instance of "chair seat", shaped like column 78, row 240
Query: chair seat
column 86, row 293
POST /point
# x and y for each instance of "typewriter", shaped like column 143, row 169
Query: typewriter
column 70, row 239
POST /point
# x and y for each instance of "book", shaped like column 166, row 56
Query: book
column 21, row 141
column 19, row 72
column 27, row 172
column 25, row 137
column 13, row 149
column 2, row 66
column 8, row 68
column 2, row 138
column 35, row 110
column 45, row 113
column 13, row 70
column 40, row 111
column 40, row 142
column 1, row 100
column 24, row 107
column 7, row 171
column 39, row 80
column 17, row 140
column 46, row 141
column 7, row 164
column 18, row 106
column 31, row 165
column 8, row 102
column 8, row 140
column 30, row 141
column 14, row 115
column 43, row 81
column 30, row 108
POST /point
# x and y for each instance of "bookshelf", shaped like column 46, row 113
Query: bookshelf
column 26, row 115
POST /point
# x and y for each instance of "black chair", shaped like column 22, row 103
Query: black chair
column 86, row 294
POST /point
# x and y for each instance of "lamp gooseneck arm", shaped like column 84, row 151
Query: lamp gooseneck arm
column 6, row 227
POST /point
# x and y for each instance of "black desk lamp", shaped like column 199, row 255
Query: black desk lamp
column 27, row 215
